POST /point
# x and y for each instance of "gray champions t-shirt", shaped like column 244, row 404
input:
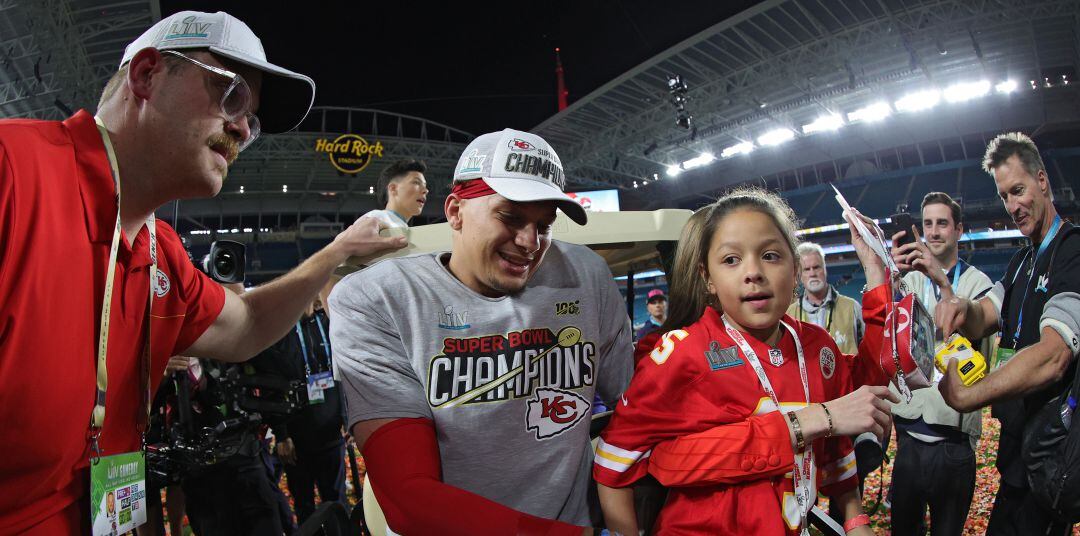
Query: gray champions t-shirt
column 410, row 340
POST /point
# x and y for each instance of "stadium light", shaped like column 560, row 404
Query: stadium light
column 967, row 91
column 1008, row 86
column 241, row 188
column 285, row 188
column 673, row 171
column 824, row 123
column 776, row 137
column 739, row 148
column 698, row 161
column 918, row 101
column 871, row 113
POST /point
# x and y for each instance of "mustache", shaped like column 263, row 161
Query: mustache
column 225, row 142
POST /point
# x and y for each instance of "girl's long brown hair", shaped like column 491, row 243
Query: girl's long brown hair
column 687, row 288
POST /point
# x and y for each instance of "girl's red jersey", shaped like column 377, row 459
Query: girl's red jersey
column 697, row 418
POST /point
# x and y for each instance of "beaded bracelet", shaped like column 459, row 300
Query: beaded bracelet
column 828, row 416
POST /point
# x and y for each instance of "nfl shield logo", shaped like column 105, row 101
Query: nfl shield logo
column 776, row 357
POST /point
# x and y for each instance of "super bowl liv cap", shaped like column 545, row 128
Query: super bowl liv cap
column 519, row 166
column 286, row 97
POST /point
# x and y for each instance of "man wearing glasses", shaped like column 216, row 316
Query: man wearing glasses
column 95, row 295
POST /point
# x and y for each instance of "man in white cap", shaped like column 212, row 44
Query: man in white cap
column 97, row 295
column 468, row 392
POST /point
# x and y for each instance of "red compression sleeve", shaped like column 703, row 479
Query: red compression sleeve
column 867, row 369
column 402, row 458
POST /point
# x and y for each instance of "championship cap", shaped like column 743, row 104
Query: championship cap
column 286, row 97
column 520, row 167
column 656, row 294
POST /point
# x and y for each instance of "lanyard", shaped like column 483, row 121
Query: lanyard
column 303, row 348
column 932, row 287
column 804, row 461
column 97, row 418
column 1042, row 249
column 325, row 341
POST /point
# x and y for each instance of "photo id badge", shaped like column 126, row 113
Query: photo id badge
column 317, row 384
column 118, row 493
column 1003, row 356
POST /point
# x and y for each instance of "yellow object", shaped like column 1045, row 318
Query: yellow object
column 970, row 362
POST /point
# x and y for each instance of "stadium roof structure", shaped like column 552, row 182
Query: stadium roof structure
column 57, row 55
column 758, row 79
column 755, row 81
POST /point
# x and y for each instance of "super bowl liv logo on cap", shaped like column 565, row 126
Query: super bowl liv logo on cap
column 188, row 27
column 474, row 162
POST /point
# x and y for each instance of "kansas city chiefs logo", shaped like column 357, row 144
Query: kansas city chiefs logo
column 161, row 284
column 554, row 411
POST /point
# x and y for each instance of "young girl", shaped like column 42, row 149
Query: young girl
column 744, row 413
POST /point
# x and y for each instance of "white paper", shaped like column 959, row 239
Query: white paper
column 876, row 242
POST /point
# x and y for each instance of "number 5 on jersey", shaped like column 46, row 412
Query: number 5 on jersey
column 667, row 345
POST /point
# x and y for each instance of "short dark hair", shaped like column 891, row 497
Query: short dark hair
column 942, row 198
column 393, row 172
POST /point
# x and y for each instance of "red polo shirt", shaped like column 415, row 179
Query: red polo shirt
column 57, row 212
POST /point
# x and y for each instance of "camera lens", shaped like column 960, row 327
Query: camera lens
column 225, row 264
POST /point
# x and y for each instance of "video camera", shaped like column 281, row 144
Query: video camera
column 225, row 262
column 185, row 445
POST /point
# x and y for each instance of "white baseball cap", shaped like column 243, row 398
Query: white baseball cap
column 286, row 97
column 520, row 167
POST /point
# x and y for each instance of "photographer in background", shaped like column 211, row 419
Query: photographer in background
column 310, row 442
column 238, row 493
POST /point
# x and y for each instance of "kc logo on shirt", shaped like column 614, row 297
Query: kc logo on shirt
column 554, row 411
column 161, row 284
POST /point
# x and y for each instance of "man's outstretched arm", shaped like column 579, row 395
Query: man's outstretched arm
column 251, row 322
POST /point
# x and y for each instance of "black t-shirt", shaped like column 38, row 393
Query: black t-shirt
column 1056, row 271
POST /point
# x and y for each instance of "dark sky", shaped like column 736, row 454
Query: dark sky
column 477, row 66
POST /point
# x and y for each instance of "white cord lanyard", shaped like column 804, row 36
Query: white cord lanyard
column 804, row 462
column 97, row 418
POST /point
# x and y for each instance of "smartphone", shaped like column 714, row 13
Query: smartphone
column 901, row 223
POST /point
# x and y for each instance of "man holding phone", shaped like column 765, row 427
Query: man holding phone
column 935, row 453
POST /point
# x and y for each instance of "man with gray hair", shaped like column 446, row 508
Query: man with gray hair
column 1037, row 308
column 822, row 305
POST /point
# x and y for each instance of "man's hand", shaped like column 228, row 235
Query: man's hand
column 362, row 239
column 287, row 451
column 953, row 389
column 950, row 314
column 916, row 256
column 177, row 363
